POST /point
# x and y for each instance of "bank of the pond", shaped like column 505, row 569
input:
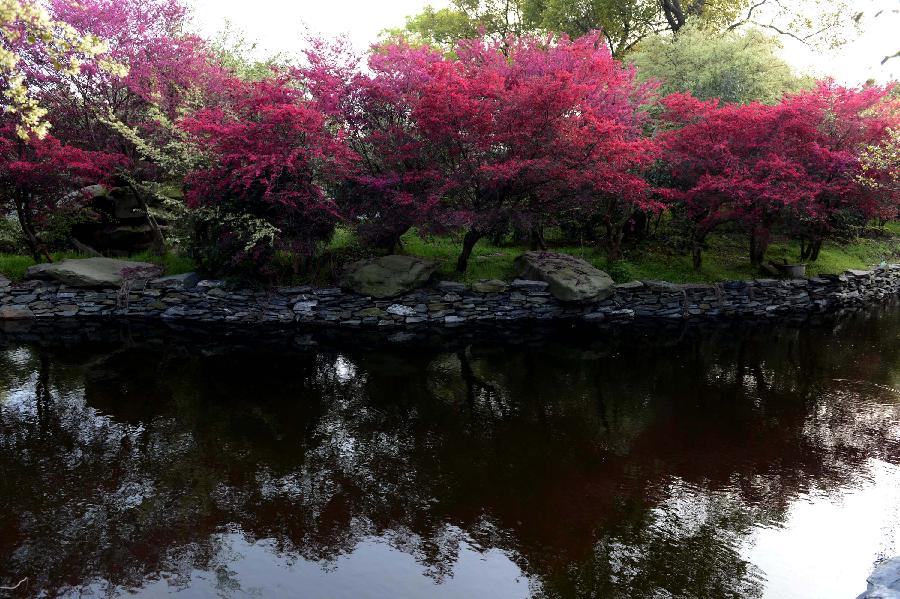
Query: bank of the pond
column 447, row 304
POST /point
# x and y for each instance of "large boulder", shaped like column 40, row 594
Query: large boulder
column 884, row 583
column 88, row 272
column 571, row 279
column 387, row 276
column 114, row 222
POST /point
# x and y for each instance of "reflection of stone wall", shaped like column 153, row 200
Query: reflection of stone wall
column 450, row 304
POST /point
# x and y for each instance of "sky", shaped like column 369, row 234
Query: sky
column 279, row 26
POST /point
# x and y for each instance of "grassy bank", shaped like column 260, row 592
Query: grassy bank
column 725, row 258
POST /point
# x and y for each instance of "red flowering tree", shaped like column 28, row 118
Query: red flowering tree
column 520, row 132
column 397, row 183
column 275, row 162
column 850, row 122
column 42, row 176
column 794, row 163
column 160, row 71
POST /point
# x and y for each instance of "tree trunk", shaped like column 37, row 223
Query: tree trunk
column 816, row 247
column 469, row 241
column 159, row 240
column 613, row 241
column 38, row 250
column 537, row 239
column 697, row 252
column 759, row 244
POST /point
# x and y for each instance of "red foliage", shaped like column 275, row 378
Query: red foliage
column 521, row 132
column 795, row 162
column 42, row 177
column 275, row 159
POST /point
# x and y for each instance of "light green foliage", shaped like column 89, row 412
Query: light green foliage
column 173, row 151
column 240, row 56
column 11, row 237
column 625, row 23
column 64, row 47
column 439, row 26
column 736, row 68
column 883, row 158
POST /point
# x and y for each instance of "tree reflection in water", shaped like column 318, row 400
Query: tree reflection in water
column 604, row 469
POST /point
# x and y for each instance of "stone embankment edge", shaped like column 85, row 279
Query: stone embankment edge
column 448, row 304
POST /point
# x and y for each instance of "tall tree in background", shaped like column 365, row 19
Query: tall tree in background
column 732, row 67
column 625, row 23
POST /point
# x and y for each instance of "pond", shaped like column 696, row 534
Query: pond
column 740, row 461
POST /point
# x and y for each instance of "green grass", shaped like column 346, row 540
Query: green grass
column 171, row 263
column 724, row 259
column 13, row 266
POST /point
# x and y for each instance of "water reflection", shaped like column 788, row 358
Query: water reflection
column 602, row 469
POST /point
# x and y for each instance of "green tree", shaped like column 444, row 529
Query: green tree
column 240, row 56
column 736, row 68
column 625, row 23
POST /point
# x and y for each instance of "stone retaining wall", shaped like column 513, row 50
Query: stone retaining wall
column 446, row 303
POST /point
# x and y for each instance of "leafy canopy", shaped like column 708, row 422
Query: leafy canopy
column 733, row 67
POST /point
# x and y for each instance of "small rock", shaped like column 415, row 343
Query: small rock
column 451, row 286
column 630, row 286
column 305, row 306
column 662, row 286
column 400, row 310
column 187, row 280
column 489, row 286
column 525, row 285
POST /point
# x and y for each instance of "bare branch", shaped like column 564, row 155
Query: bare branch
column 13, row 588
column 748, row 16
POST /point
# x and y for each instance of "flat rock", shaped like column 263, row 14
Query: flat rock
column 571, row 279
column 489, row 286
column 86, row 272
column 387, row 276
column 15, row 313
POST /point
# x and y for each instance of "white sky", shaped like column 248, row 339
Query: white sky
column 279, row 25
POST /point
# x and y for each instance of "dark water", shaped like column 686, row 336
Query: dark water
column 737, row 462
